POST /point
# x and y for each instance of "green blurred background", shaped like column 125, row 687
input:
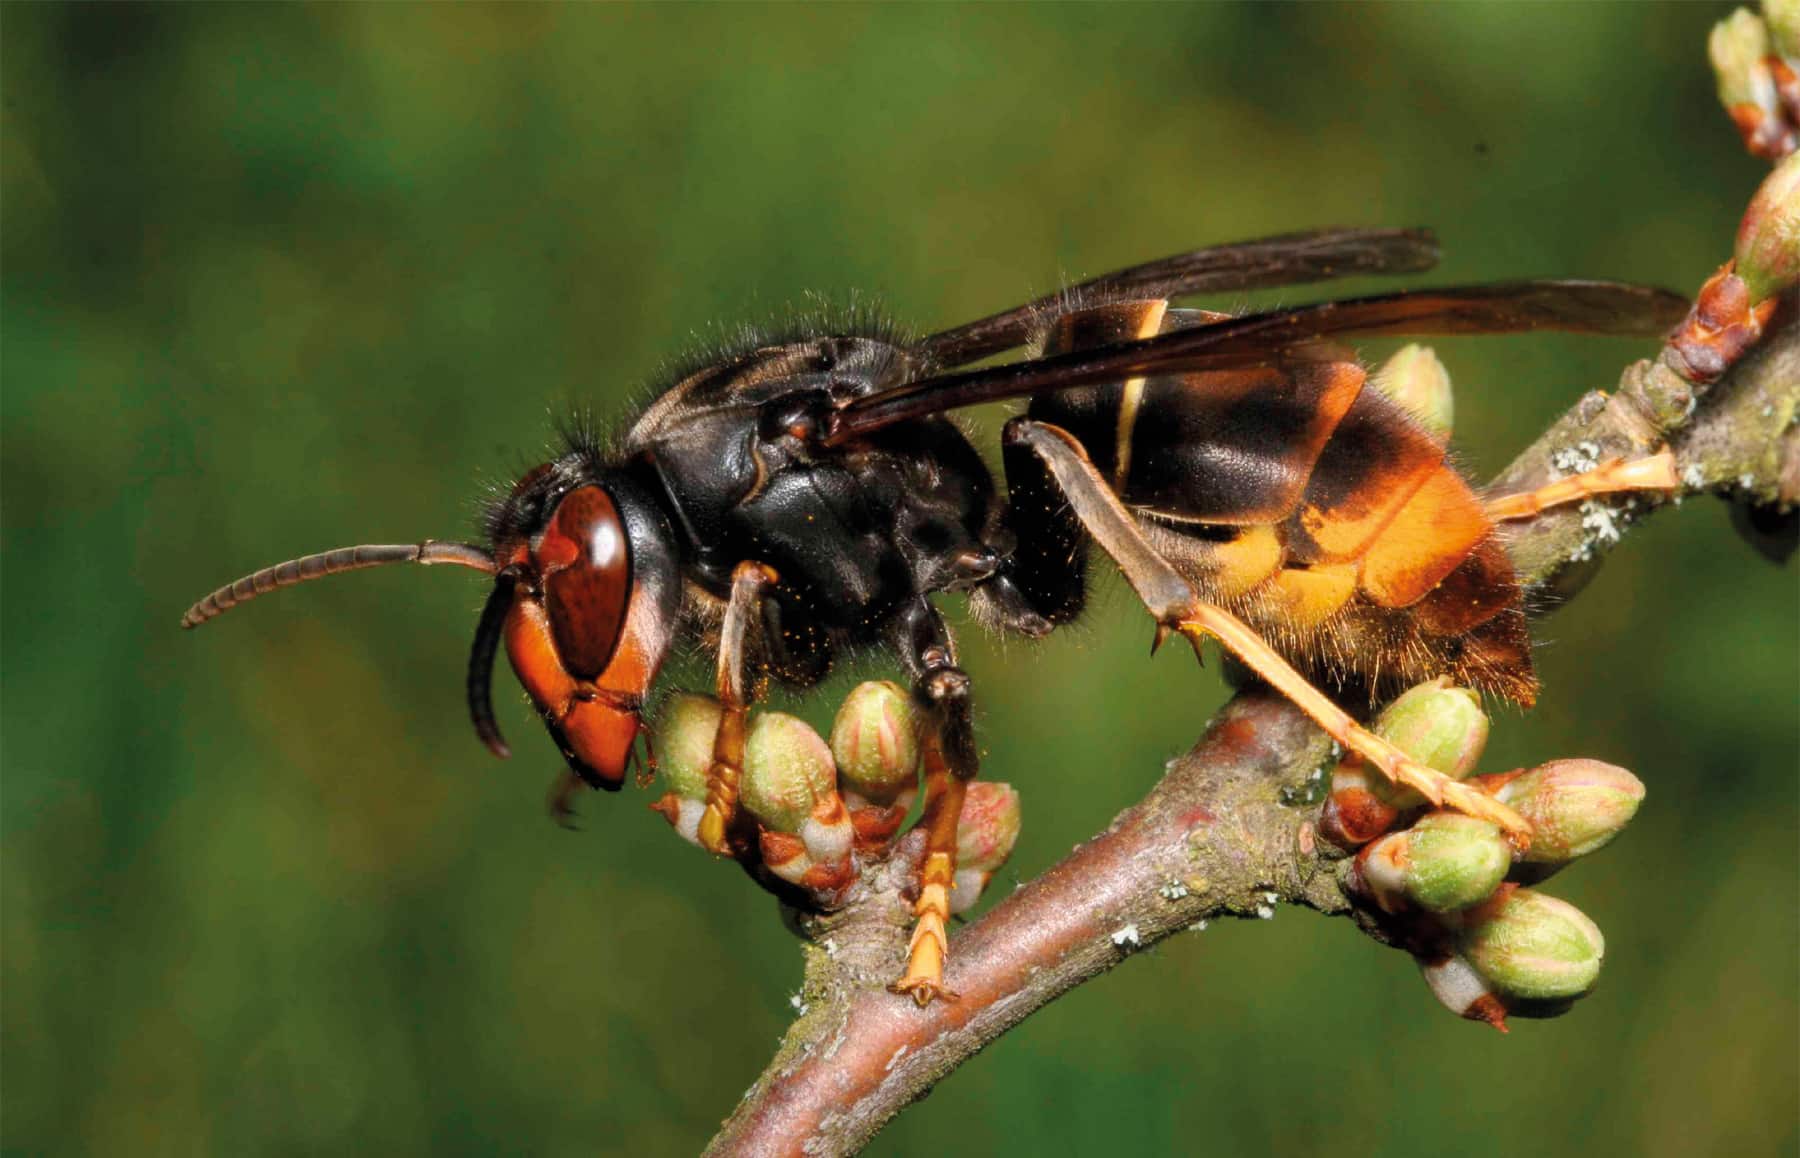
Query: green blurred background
column 281, row 278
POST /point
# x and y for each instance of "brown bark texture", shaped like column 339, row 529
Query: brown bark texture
column 1224, row 832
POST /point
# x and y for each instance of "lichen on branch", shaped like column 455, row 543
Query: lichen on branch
column 1228, row 831
column 1217, row 836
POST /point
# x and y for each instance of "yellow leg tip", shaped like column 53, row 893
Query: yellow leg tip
column 923, row 990
column 924, row 979
column 712, row 831
column 1426, row 782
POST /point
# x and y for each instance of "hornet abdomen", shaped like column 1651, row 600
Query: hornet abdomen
column 1313, row 507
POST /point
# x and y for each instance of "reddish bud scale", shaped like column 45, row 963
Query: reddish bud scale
column 1461, row 990
column 816, row 859
column 682, row 814
column 1356, row 812
column 1488, row 1010
column 1722, row 325
column 876, row 824
column 827, row 832
column 1770, row 129
column 781, row 851
column 1379, row 863
column 1787, row 88
column 1765, row 133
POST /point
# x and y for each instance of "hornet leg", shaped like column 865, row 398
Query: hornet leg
column 948, row 748
column 1177, row 609
column 749, row 583
column 1655, row 473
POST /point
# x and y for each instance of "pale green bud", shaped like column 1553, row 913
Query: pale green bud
column 1768, row 240
column 1736, row 49
column 988, row 826
column 1457, row 861
column 1417, row 380
column 1445, row 862
column 787, row 771
column 1783, row 19
column 986, row 831
column 1439, row 725
column 1574, row 806
column 875, row 742
column 684, row 728
column 1539, row 953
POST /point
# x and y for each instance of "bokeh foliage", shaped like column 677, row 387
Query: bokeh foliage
column 278, row 278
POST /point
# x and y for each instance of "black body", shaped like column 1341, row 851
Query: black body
column 828, row 459
column 859, row 535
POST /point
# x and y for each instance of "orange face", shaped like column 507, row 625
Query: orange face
column 582, row 644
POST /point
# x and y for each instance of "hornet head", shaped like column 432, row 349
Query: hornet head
column 587, row 590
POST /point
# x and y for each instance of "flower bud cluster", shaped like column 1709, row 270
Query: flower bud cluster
column 1448, row 887
column 822, row 810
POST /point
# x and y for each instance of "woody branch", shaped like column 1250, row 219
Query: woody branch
column 1217, row 836
column 1213, row 838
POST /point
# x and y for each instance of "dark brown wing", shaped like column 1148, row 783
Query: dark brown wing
column 1587, row 307
column 1289, row 259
